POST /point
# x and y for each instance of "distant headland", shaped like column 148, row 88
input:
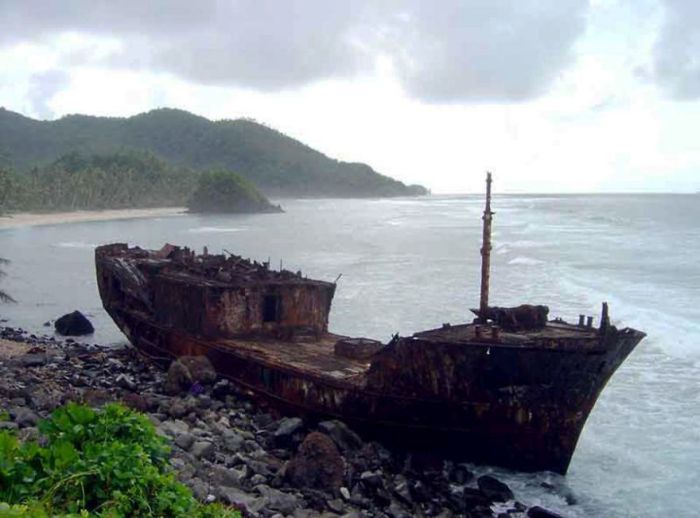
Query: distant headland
column 177, row 144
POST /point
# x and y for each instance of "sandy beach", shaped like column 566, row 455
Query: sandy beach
column 28, row 219
column 10, row 349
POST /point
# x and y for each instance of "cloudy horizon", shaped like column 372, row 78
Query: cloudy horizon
column 551, row 95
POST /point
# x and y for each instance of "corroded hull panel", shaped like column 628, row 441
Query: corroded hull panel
column 524, row 426
column 520, row 401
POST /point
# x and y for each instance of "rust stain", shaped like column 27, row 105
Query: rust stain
column 494, row 393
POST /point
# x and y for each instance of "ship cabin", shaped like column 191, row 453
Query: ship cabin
column 227, row 296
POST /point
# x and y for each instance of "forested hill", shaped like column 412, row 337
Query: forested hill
column 274, row 162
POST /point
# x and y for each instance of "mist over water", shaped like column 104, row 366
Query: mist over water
column 411, row 264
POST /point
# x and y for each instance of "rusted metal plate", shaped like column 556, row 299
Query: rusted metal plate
column 518, row 399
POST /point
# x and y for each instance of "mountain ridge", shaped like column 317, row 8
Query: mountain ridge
column 276, row 163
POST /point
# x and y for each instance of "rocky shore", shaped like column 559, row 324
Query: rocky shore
column 227, row 448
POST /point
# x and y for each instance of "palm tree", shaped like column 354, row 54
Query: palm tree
column 4, row 297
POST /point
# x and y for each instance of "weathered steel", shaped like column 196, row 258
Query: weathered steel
column 486, row 253
column 511, row 389
column 357, row 348
column 518, row 399
column 214, row 296
column 525, row 317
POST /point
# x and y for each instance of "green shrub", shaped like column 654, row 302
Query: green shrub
column 107, row 463
column 226, row 191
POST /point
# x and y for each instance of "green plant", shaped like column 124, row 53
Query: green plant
column 226, row 191
column 105, row 463
column 4, row 297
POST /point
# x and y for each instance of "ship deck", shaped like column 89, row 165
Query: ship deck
column 317, row 357
column 556, row 334
column 307, row 357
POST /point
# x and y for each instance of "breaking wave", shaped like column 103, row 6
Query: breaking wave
column 215, row 230
column 74, row 244
column 528, row 261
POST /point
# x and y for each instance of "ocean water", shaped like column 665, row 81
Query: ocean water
column 412, row 264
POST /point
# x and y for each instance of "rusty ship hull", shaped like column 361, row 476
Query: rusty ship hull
column 518, row 399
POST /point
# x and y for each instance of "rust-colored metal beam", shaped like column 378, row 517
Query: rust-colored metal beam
column 486, row 253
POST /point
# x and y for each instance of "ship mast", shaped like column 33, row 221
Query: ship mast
column 486, row 253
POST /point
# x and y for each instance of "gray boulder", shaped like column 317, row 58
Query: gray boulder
column 342, row 436
column 287, row 427
column 232, row 440
column 188, row 370
column 25, row 417
column 276, row 500
column 203, row 450
column 240, row 499
column 184, row 440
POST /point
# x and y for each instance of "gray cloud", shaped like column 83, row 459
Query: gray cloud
column 42, row 88
column 677, row 51
column 486, row 50
column 443, row 51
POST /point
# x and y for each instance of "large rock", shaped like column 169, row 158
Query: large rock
column 44, row 397
column 539, row 512
column 276, row 500
column 24, row 417
column 201, row 369
column 317, row 465
column 96, row 397
column 185, row 440
column 222, row 476
column 203, row 450
column 74, row 324
column 174, row 428
column 188, row 370
column 286, row 429
column 494, row 489
column 241, row 500
column 344, row 437
column 232, row 440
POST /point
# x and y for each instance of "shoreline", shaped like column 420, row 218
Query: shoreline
column 11, row 348
column 31, row 219
column 230, row 448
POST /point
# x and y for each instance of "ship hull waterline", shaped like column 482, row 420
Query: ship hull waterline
column 524, row 426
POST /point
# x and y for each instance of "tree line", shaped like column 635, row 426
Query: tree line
column 272, row 161
column 75, row 182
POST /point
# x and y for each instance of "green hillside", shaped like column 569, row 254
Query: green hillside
column 272, row 161
column 227, row 192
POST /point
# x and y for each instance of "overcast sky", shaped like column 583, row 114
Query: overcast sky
column 551, row 95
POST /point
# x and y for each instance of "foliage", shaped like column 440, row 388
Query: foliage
column 226, row 191
column 120, row 180
column 102, row 463
column 4, row 297
column 5, row 188
column 128, row 179
column 272, row 161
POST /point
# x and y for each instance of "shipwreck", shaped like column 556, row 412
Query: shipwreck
column 511, row 388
